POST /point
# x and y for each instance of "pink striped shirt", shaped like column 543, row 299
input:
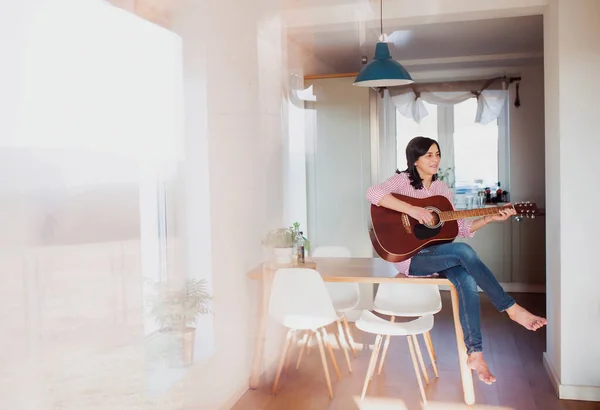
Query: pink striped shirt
column 400, row 184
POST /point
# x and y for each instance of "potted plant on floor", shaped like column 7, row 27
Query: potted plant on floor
column 176, row 307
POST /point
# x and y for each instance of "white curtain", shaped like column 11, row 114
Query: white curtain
column 489, row 103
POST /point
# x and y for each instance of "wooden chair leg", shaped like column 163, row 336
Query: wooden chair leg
column 342, row 346
column 376, row 356
column 385, row 348
column 328, row 345
column 420, row 357
column 324, row 362
column 372, row 364
column 427, row 336
column 416, row 366
column 304, row 342
column 310, row 335
column 431, row 355
column 349, row 335
column 288, row 338
column 290, row 352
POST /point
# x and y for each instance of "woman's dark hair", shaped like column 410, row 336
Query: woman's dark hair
column 416, row 148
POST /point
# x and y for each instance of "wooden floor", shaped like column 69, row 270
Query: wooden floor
column 513, row 354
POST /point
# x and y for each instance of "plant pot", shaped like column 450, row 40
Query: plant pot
column 283, row 255
column 180, row 346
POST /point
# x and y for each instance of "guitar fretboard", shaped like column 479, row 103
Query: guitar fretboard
column 471, row 213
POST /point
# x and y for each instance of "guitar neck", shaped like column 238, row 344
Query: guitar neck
column 471, row 213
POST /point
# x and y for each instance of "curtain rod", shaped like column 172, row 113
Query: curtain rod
column 474, row 86
column 430, row 86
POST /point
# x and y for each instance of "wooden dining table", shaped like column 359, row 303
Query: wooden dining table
column 356, row 270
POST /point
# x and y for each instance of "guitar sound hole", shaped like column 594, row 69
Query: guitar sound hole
column 424, row 232
column 436, row 221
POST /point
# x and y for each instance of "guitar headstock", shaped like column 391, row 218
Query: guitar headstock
column 526, row 210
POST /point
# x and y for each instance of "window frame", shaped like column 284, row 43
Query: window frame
column 445, row 129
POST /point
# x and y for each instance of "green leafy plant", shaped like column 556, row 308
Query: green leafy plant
column 285, row 237
column 280, row 238
column 177, row 306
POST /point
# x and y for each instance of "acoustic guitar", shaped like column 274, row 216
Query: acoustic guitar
column 397, row 236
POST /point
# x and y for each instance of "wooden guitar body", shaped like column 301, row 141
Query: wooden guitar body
column 397, row 236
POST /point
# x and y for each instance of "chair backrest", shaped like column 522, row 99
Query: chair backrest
column 331, row 252
column 299, row 292
column 408, row 299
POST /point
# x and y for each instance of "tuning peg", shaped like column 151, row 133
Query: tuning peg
column 518, row 218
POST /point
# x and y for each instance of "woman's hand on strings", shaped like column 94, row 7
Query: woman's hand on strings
column 424, row 216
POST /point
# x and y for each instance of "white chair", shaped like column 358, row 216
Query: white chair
column 401, row 300
column 300, row 301
column 371, row 323
column 345, row 297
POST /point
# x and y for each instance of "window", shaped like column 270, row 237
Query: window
column 475, row 148
column 407, row 129
column 476, row 153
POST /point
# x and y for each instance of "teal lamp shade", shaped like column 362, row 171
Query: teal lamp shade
column 383, row 71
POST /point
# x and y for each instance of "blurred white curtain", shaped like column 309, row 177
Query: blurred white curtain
column 489, row 103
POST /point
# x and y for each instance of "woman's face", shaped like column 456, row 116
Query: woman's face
column 428, row 164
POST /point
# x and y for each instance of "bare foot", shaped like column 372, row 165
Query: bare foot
column 476, row 362
column 525, row 318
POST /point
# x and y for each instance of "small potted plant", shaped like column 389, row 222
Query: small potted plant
column 282, row 242
column 176, row 307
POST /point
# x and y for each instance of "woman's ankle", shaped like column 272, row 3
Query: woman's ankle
column 512, row 311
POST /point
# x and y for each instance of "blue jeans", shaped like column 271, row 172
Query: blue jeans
column 459, row 263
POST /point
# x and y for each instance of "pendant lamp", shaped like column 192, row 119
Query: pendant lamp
column 382, row 71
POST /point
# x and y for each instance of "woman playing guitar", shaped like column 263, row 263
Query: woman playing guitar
column 456, row 261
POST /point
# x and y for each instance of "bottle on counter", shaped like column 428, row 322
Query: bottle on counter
column 497, row 193
column 300, row 247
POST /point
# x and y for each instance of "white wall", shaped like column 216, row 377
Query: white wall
column 234, row 73
column 527, row 177
column 572, row 87
column 338, row 162
column 339, row 165
column 527, row 154
column 299, row 61
column 553, row 186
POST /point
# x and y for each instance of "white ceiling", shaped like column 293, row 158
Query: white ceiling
column 473, row 43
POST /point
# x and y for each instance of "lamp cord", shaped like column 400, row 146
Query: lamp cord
column 381, row 16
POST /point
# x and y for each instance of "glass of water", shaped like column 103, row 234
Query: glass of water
column 469, row 201
column 481, row 199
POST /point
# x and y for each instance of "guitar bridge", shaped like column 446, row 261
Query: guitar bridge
column 406, row 223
